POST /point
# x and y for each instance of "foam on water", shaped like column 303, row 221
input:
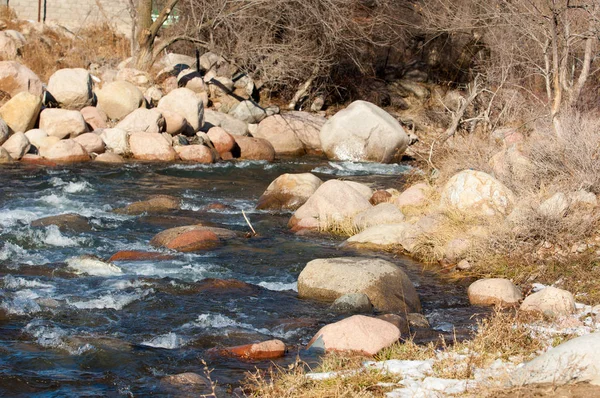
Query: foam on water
column 53, row 237
column 188, row 272
column 10, row 282
column 358, row 169
column 169, row 341
column 10, row 218
column 279, row 286
column 77, row 187
column 221, row 324
column 111, row 301
column 242, row 164
column 22, row 303
column 93, row 266
column 16, row 254
column 46, row 335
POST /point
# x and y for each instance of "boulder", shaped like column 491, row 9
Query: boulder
column 72, row 222
column 195, row 153
column 71, row 88
column 91, row 142
column 255, row 149
column 352, row 302
column 363, row 132
column 383, row 213
column 191, row 238
column 155, row 204
column 333, row 204
column 359, row 333
column 230, row 124
column 66, row 151
column 118, row 99
column 109, row 158
column 10, row 45
column 151, row 146
column 293, row 133
column 403, row 234
column 94, row 117
column 143, row 120
column 415, row 195
column 554, row 207
column 30, row 158
column 380, row 196
column 191, row 79
column 16, row 78
column 137, row 255
column 184, row 102
column 386, row 285
column 550, row 301
column 45, row 142
column 116, row 141
column 289, row 192
column 4, row 131
column 21, row 111
column 36, row 137
column 456, row 249
column 575, row 361
column 153, row 94
column 17, row 145
column 134, row 76
column 211, row 61
column 187, row 381
column 510, row 164
column 62, row 123
column 248, row 111
column 270, row 349
column 221, row 139
column 174, row 122
column 5, row 156
column 494, row 291
column 477, row 193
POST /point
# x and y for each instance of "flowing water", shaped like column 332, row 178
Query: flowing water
column 119, row 332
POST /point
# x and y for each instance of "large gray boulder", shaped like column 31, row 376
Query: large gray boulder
column 477, row 193
column 118, row 99
column 249, row 112
column 363, row 132
column 333, row 205
column 71, row 88
column 575, row 361
column 389, row 289
column 184, row 102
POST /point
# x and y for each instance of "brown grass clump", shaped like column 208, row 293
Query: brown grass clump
column 53, row 49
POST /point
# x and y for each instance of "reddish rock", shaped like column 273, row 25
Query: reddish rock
column 255, row 149
column 193, row 240
column 91, row 142
column 221, row 140
column 155, row 204
column 195, row 153
column 380, row 196
column 109, row 158
column 164, row 238
column 270, row 349
column 215, row 285
column 37, row 159
column 138, row 255
column 94, row 117
column 151, row 146
column 66, row 151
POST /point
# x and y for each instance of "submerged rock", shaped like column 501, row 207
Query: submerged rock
column 65, row 222
column 191, row 238
column 352, row 302
column 358, row 333
column 270, row 349
column 154, row 204
column 138, row 255
column 385, row 284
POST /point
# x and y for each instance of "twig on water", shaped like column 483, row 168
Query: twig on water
column 248, row 222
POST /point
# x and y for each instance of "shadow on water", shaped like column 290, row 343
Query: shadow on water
column 63, row 334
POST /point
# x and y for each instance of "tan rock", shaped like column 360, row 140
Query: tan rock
column 293, row 133
column 386, row 285
column 383, row 213
column 255, row 148
column 288, row 191
column 380, row 196
column 230, row 124
column 94, row 117
column 17, row 145
column 134, row 76
column 143, row 120
column 118, row 99
column 550, row 301
column 62, row 123
column 116, row 140
column 184, row 102
column 16, row 78
column 36, row 137
column 358, row 333
column 195, row 153
column 66, row 151
column 5, row 156
column 494, row 291
column 151, row 146
column 174, row 122
column 109, row 158
column 414, row 195
column 402, row 234
column 21, row 111
column 71, row 88
column 221, row 139
column 91, row 142
column 154, row 204
column 191, row 238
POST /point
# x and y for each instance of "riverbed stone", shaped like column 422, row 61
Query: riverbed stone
column 109, row 157
column 17, row 145
column 62, row 123
column 249, row 112
column 383, row 213
column 477, row 193
column 184, row 102
column 138, row 255
column 65, row 222
column 575, row 361
column 71, row 88
column 270, row 349
column 66, row 151
column 16, row 77
column 4, row 131
column 221, row 139
column 333, row 204
column 403, row 234
column 494, row 291
column 386, row 285
column 143, row 120
column 289, row 191
column 293, row 133
column 91, row 142
column 5, row 156
column 550, row 301
column 191, row 237
column 380, row 196
column 358, row 333
column 36, row 137
column 255, row 149
column 174, row 122
column 154, row 204
column 363, row 132
column 94, row 117
column 352, row 302
column 119, row 98
column 21, row 111
column 415, row 195
column 230, row 124
column 195, row 153
column 116, row 141
column 152, row 147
